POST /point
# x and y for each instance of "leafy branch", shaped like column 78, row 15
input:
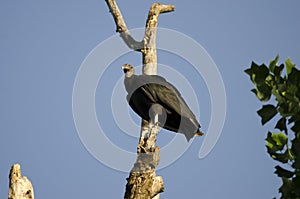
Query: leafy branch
column 283, row 145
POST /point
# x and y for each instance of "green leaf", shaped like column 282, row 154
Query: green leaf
column 296, row 127
column 280, row 139
column 276, row 141
column 248, row 71
column 257, row 73
column 281, row 124
column 254, row 91
column 293, row 108
column 283, row 110
column 263, row 92
column 287, row 188
column 273, row 63
column 271, row 144
column 289, row 65
column 295, row 149
column 296, row 182
column 282, row 157
column 296, row 164
column 294, row 77
column 279, row 156
column 293, row 119
column 260, row 74
column 279, row 98
column 289, row 108
column 283, row 172
column 266, row 113
column 278, row 70
column 291, row 91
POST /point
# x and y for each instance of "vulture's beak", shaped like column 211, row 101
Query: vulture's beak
column 124, row 68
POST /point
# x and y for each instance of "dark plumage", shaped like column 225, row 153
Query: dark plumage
column 150, row 95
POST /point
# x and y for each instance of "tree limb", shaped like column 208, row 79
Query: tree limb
column 142, row 182
column 149, row 50
column 122, row 28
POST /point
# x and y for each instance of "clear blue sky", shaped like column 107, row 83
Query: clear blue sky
column 42, row 45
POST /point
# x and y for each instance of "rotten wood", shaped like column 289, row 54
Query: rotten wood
column 142, row 182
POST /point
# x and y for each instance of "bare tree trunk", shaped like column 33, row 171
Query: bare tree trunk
column 19, row 186
column 142, row 182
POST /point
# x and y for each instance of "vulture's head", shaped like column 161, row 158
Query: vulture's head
column 128, row 70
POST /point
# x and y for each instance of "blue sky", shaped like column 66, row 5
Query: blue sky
column 43, row 45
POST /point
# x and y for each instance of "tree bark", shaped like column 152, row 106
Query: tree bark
column 142, row 182
column 19, row 186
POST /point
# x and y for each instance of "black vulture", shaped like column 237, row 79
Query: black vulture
column 152, row 95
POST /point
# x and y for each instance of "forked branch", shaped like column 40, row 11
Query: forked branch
column 150, row 32
column 122, row 28
column 142, row 182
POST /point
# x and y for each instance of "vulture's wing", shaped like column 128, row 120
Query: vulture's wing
column 147, row 90
column 168, row 96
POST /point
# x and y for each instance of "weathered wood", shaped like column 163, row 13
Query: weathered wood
column 149, row 50
column 142, row 182
column 122, row 28
column 19, row 186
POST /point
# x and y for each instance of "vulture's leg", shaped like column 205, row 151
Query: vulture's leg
column 155, row 111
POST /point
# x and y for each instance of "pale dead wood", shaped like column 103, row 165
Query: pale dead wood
column 142, row 182
column 149, row 50
column 19, row 186
column 122, row 28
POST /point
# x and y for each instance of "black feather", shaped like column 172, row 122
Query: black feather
column 146, row 90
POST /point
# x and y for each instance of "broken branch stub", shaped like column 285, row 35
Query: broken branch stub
column 19, row 186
